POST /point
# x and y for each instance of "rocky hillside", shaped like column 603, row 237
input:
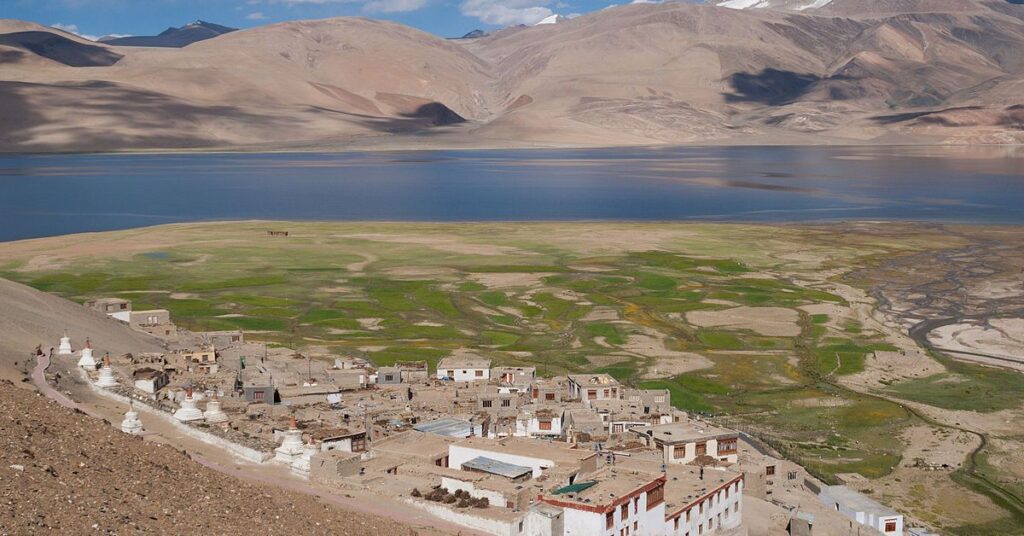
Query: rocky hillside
column 744, row 71
column 62, row 472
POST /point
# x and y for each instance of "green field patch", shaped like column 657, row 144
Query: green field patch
column 844, row 356
column 260, row 301
column 620, row 371
column 273, row 312
column 719, row 340
column 688, row 391
column 494, row 298
column 610, row 333
column 499, row 338
column 255, row 323
column 192, row 308
column 471, row 286
column 965, row 387
column 655, row 282
column 235, row 282
column 819, row 319
column 71, row 284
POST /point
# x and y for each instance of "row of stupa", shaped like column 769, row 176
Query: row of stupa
column 292, row 451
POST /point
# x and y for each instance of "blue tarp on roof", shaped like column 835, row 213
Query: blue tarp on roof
column 495, row 467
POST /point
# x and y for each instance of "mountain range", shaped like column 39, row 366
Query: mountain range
column 796, row 72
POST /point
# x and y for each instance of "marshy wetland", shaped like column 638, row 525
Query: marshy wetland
column 775, row 330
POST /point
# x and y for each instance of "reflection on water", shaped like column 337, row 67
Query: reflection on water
column 59, row 194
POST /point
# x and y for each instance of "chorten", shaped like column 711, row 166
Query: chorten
column 106, row 378
column 86, row 361
column 302, row 463
column 214, row 414
column 291, row 447
column 131, row 423
column 65, row 345
column 188, row 410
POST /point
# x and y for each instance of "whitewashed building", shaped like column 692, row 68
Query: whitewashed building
column 464, row 369
column 863, row 509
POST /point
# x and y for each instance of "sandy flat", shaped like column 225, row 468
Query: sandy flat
column 768, row 321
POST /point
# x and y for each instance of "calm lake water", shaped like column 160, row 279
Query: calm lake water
column 59, row 194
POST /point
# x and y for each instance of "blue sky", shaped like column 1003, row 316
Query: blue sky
column 448, row 18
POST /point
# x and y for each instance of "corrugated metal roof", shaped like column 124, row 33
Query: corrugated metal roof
column 495, row 467
column 446, row 427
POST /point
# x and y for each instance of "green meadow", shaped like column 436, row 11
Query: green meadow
column 566, row 298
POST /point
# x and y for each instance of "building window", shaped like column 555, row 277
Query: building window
column 702, row 449
column 727, row 446
column 506, row 403
column 479, row 374
column 609, row 520
column 676, row 522
column 655, row 497
column 679, row 451
column 624, row 511
column 549, row 396
column 591, row 394
column 890, row 525
column 687, row 516
column 769, row 470
column 389, row 378
column 545, row 425
column 607, row 393
column 488, row 403
column 636, row 504
column 636, row 524
column 450, row 374
column 536, row 392
column 735, row 507
column 257, row 396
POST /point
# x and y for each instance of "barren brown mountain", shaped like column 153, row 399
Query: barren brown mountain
column 803, row 71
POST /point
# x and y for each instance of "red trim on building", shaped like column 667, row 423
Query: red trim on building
column 604, row 508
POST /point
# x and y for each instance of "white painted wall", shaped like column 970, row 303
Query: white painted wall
column 458, row 455
column 720, row 507
column 465, row 374
column 496, row 499
column 691, row 452
column 123, row 316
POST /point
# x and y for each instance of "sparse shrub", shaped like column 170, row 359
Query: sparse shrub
column 448, row 499
column 482, row 502
column 416, row 493
column 464, row 503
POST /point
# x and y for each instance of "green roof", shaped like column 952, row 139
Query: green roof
column 575, row 488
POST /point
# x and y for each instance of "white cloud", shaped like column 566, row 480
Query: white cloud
column 73, row 28
column 256, row 15
column 506, row 12
column 393, row 6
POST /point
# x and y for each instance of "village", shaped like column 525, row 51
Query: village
column 495, row 449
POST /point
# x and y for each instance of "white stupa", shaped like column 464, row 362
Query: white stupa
column 188, row 411
column 131, row 423
column 214, row 414
column 106, row 378
column 302, row 463
column 291, row 447
column 86, row 361
column 65, row 345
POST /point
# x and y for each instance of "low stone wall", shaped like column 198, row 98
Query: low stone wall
column 468, row 520
column 245, row 453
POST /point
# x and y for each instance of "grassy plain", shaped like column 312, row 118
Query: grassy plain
column 566, row 298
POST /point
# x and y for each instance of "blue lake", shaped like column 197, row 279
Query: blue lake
column 42, row 195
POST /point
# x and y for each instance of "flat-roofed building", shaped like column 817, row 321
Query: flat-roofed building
column 516, row 378
column 684, row 441
column 150, row 380
column 464, row 369
column 543, row 421
column 589, row 387
column 612, row 503
column 863, row 509
column 113, row 307
column 537, row 455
